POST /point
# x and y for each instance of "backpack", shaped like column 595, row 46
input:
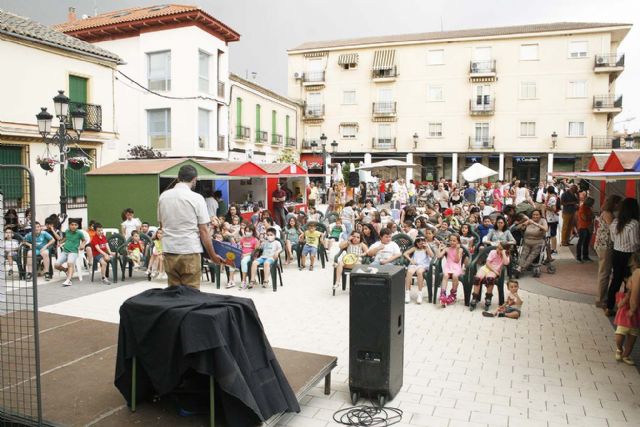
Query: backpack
column 558, row 204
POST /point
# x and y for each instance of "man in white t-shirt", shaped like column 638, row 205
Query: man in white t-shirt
column 130, row 223
column 385, row 251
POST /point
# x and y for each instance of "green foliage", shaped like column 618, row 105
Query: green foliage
column 143, row 152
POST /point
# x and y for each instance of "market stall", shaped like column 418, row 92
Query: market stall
column 293, row 180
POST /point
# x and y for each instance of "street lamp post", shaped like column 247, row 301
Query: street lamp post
column 416, row 138
column 554, row 139
column 62, row 138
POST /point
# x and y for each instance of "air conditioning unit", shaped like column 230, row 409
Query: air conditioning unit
column 600, row 60
column 298, row 75
column 598, row 104
column 249, row 153
column 474, row 67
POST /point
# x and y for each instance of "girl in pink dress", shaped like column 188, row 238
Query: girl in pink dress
column 452, row 269
column 488, row 274
column 628, row 316
column 497, row 197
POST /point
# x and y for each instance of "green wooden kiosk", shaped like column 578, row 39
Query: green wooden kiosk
column 135, row 184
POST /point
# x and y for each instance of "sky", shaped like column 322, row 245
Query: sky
column 269, row 27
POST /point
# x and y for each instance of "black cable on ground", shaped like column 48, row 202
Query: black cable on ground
column 369, row 416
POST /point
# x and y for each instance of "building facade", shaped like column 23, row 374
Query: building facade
column 263, row 125
column 39, row 62
column 524, row 100
column 181, row 55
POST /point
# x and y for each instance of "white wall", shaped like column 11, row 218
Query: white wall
column 184, row 44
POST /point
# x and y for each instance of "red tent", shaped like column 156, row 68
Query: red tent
column 621, row 161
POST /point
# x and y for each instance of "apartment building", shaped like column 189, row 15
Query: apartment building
column 263, row 124
column 180, row 54
column 523, row 100
column 38, row 62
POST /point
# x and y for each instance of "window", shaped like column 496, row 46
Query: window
column 159, row 128
column 529, row 52
column 349, row 131
column 159, row 71
column 527, row 128
column 203, row 128
column 528, row 90
column 77, row 181
column 577, row 89
column 578, row 49
column 349, row 66
column 435, row 130
column 481, row 135
column 576, row 128
column 435, row 57
column 349, row 97
column 203, row 71
column 482, row 54
column 15, row 188
column 435, row 93
column 384, row 134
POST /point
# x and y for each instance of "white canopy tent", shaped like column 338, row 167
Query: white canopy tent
column 477, row 171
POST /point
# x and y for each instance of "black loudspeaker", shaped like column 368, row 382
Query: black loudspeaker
column 376, row 332
column 354, row 179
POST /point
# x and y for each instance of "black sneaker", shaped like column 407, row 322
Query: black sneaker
column 487, row 314
column 472, row 305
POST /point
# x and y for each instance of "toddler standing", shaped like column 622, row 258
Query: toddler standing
column 628, row 316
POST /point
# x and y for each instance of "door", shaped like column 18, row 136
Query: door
column 78, row 89
column 483, row 96
column 314, row 104
column 481, row 60
column 482, row 135
column 314, row 73
column 385, row 101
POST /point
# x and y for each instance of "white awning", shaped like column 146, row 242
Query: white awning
column 384, row 59
column 600, row 176
column 315, row 54
column 348, row 58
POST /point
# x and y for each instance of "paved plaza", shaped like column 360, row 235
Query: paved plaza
column 554, row 366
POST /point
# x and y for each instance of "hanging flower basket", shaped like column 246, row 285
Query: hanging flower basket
column 46, row 163
column 78, row 163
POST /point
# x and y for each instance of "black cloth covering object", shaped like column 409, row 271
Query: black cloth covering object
column 179, row 329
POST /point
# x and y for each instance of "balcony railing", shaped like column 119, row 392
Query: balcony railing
column 314, row 111
column 482, row 67
column 313, row 77
column 486, row 105
column 243, row 132
column 306, row 143
column 93, row 120
column 384, row 108
column 609, row 60
column 221, row 89
column 276, row 139
column 383, row 143
column 601, row 142
column 607, row 101
column 261, row 136
column 385, row 73
column 291, row 142
column 481, row 142
column 221, row 140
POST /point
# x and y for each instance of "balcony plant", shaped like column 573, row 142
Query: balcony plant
column 78, row 163
column 144, row 152
column 46, row 163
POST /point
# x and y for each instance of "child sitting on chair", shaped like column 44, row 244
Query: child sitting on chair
column 488, row 274
column 512, row 308
column 135, row 249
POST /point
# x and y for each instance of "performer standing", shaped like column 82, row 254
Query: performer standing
column 183, row 216
column 279, row 196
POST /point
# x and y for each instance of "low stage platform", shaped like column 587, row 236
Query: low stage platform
column 78, row 358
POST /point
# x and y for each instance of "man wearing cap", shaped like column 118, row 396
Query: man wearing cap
column 184, row 218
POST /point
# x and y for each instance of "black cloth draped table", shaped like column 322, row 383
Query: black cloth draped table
column 178, row 330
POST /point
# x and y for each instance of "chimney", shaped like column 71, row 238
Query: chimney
column 71, row 15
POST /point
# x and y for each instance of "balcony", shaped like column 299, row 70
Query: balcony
column 291, row 142
column 384, row 109
column 601, row 142
column 220, row 89
column 93, row 120
column 306, row 143
column 313, row 112
column 243, row 133
column 607, row 104
column 276, row 139
column 383, row 143
column 482, row 70
column 486, row 107
column 385, row 74
column 481, row 142
column 221, row 144
column 313, row 78
column 608, row 63
column 261, row 137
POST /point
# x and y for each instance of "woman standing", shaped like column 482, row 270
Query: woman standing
column 551, row 214
column 625, row 234
column 604, row 246
column 497, row 196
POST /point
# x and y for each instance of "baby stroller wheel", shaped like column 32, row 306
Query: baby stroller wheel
column 551, row 269
column 536, row 271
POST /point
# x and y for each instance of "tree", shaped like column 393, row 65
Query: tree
column 345, row 173
column 143, row 152
column 288, row 156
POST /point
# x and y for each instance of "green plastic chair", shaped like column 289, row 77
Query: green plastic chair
column 475, row 265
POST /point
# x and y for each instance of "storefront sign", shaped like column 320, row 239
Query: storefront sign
column 526, row 159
